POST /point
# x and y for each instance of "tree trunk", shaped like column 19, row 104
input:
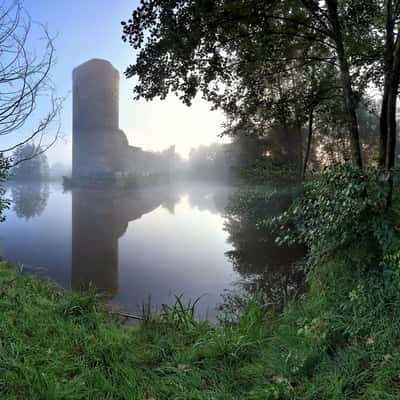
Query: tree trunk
column 346, row 82
column 388, row 85
column 383, row 125
column 309, row 139
column 299, row 142
column 394, row 78
column 391, row 143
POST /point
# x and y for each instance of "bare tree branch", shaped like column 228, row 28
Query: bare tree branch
column 24, row 77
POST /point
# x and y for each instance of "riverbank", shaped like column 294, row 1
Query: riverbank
column 343, row 341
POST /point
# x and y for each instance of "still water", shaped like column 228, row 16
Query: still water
column 155, row 242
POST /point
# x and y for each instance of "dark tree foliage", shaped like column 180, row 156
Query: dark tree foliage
column 292, row 65
column 265, row 63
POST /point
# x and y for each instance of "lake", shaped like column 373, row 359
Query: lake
column 157, row 241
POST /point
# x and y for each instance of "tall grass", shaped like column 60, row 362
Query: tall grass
column 342, row 342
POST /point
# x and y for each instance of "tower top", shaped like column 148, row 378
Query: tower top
column 94, row 63
column 95, row 96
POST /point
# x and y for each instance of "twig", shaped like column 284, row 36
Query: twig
column 128, row 315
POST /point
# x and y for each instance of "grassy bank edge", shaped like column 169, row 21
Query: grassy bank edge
column 341, row 342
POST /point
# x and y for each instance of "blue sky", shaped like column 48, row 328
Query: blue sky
column 88, row 29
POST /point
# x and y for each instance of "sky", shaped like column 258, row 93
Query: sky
column 87, row 29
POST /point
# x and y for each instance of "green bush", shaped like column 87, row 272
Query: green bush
column 257, row 204
column 267, row 170
column 342, row 211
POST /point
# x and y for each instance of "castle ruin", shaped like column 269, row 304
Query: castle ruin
column 100, row 148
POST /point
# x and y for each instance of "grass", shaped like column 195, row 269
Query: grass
column 342, row 342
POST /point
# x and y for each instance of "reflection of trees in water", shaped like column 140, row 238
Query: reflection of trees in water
column 206, row 197
column 29, row 200
column 171, row 198
column 262, row 263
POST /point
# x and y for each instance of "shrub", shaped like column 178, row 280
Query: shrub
column 343, row 211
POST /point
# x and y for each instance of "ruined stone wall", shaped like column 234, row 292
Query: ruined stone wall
column 99, row 146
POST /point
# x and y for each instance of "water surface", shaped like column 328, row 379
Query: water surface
column 158, row 241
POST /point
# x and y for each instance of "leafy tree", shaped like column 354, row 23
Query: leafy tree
column 277, row 63
column 29, row 163
column 252, row 58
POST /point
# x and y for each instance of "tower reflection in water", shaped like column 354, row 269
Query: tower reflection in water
column 99, row 219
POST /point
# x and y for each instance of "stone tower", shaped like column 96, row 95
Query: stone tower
column 97, row 139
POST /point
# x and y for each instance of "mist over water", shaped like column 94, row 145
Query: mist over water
column 154, row 242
